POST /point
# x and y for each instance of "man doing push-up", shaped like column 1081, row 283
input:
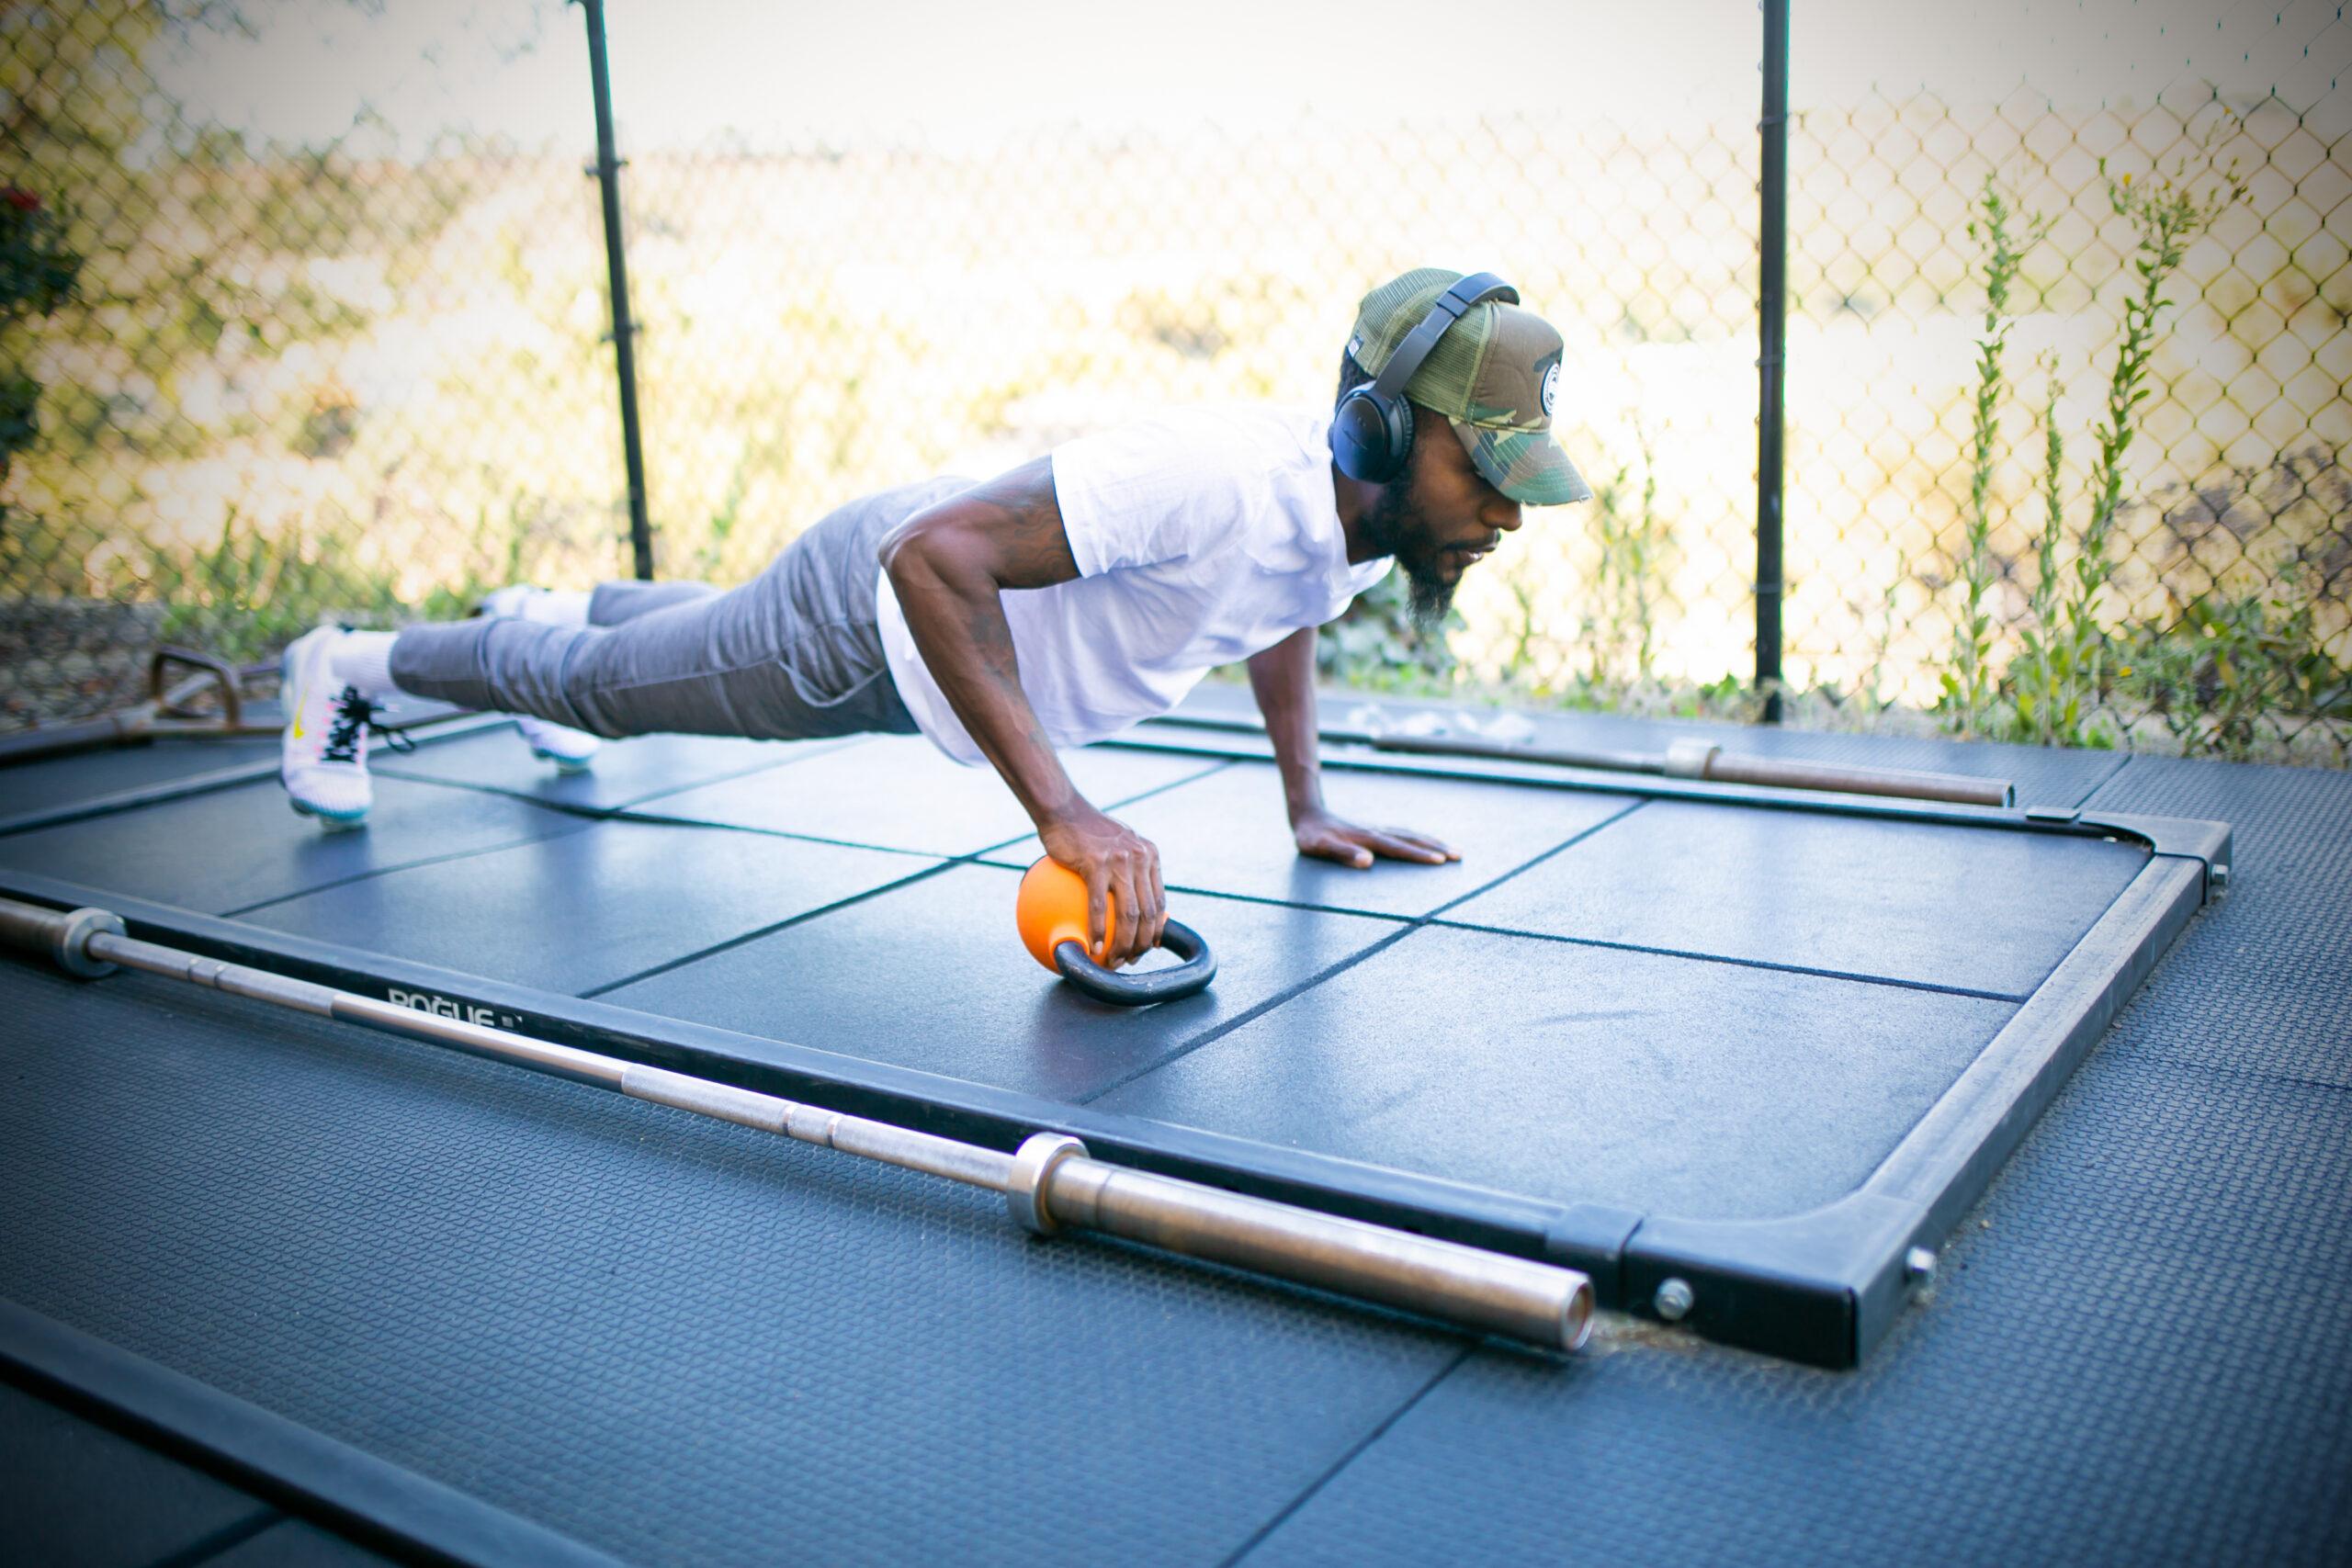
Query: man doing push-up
column 1056, row 604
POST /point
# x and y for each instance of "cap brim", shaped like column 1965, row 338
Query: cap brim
column 1525, row 464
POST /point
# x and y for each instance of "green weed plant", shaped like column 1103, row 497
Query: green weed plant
column 2213, row 668
column 1968, row 685
column 2228, row 665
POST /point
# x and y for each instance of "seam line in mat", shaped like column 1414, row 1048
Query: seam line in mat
column 205, row 1548
column 1742, row 963
column 593, row 814
column 647, row 819
column 848, row 744
column 1272, row 903
column 1247, row 1015
column 2124, row 1051
column 1211, row 1035
column 1219, row 767
column 374, row 871
column 1258, row 1537
column 113, row 804
column 408, row 775
column 940, row 864
column 188, row 786
column 635, row 811
column 587, row 819
column 934, row 869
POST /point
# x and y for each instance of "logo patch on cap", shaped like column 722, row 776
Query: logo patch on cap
column 1551, row 391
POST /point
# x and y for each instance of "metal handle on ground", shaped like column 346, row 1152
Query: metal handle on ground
column 1049, row 1184
column 164, row 711
column 1130, row 989
column 1684, row 759
column 1704, row 760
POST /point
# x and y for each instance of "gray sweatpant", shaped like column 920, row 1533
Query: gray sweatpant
column 794, row 654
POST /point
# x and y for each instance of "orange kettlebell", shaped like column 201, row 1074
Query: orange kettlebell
column 1051, row 910
column 1051, row 913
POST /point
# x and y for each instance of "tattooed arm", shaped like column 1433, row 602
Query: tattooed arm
column 948, row 564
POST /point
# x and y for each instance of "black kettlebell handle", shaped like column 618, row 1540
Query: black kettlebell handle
column 1153, row 986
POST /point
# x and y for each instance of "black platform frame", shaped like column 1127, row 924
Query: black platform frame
column 1821, row 1287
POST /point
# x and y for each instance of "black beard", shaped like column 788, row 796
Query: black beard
column 1395, row 527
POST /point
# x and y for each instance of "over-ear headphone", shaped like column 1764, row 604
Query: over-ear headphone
column 1372, row 430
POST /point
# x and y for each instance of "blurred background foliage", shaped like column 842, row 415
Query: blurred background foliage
column 247, row 384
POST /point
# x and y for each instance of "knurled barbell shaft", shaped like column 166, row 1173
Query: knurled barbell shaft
column 1050, row 1183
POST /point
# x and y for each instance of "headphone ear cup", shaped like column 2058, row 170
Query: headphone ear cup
column 1400, row 436
column 1366, row 436
column 1356, row 435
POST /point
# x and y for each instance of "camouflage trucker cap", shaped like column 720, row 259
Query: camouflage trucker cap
column 1495, row 375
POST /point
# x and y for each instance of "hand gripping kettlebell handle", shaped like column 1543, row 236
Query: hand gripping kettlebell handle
column 1131, row 990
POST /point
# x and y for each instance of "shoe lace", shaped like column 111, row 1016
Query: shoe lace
column 355, row 715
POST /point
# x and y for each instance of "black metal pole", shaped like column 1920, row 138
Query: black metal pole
column 607, row 171
column 1773, row 338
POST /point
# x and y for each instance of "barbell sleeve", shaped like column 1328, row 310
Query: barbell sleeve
column 1050, row 1184
column 1534, row 1301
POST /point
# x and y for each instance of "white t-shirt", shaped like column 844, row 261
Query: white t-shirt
column 1203, row 535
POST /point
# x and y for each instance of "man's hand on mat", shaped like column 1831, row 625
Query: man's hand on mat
column 1325, row 837
column 1116, row 861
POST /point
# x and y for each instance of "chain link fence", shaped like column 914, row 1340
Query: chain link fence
column 2175, row 321
column 820, row 321
column 366, row 374
column 357, row 378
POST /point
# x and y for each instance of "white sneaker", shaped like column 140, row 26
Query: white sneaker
column 570, row 750
column 521, row 601
column 323, row 758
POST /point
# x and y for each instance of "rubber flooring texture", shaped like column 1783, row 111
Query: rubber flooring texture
column 2138, row 1349
column 994, row 1017
column 1742, row 1001
column 81, row 1495
column 1657, row 1084
column 235, row 850
column 655, row 1333
column 497, row 758
column 86, row 776
column 72, row 1492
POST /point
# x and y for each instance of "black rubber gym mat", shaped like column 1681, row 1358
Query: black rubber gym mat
column 932, row 975
column 901, row 792
column 592, row 907
column 1229, row 833
column 1922, row 902
column 678, row 1340
column 2140, row 1349
column 37, row 784
column 623, row 772
column 71, row 1492
column 1669, row 1086
column 2089, row 1385
column 230, row 850
column 290, row 1543
column 2133, row 1361
column 2280, row 986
